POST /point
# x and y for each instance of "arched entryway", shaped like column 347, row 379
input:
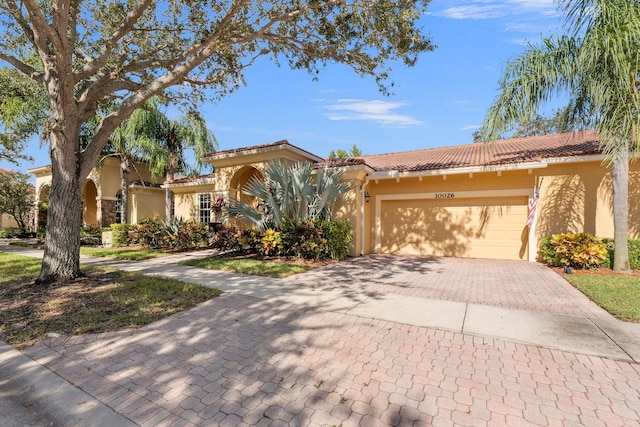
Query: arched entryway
column 89, row 204
column 239, row 180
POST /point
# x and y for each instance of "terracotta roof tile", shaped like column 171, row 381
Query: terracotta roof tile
column 508, row 151
column 190, row 179
column 336, row 163
column 253, row 147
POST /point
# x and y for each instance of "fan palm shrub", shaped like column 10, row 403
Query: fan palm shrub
column 290, row 192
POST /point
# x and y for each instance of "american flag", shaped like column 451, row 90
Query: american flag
column 533, row 202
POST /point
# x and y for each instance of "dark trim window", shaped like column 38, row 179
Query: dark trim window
column 204, row 203
column 118, row 207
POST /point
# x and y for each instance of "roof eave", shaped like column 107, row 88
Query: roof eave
column 394, row 174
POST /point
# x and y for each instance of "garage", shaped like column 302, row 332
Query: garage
column 481, row 227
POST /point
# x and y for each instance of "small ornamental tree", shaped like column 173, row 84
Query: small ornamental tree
column 16, row 198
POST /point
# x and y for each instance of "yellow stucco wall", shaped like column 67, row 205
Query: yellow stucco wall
column 574, row 197
column 146, row 203
column 7, row 221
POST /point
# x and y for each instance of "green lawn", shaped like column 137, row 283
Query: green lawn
column 124, row 253
column 103, row 300
column 619, row 295
column 257, row 267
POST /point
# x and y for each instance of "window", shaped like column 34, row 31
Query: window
column 204, row 202
column 118, row 207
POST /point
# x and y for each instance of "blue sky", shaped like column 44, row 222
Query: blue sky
column 438, row 102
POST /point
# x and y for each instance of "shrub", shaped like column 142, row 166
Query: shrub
column 577, row 250
column 339, row 235
column 90, row 236
column 14, row 232
column 148, row 232
column 234, row 238
column 302, row 239
column 634, row 253
column 271, row 242
column 120, row 235
column 182, row 235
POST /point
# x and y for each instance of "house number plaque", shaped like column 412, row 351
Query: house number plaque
column 445, row 195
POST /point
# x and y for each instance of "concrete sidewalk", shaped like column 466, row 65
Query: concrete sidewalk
column 600, row 336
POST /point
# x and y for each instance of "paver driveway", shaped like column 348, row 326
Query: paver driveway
column 512, row 284
column 240, row 360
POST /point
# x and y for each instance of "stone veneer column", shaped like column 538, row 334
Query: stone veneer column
column 106, row 211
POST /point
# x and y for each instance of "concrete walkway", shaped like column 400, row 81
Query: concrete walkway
column 354, row 344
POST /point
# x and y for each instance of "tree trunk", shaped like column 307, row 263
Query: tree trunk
column 172, row 168
column 64, row 218
column 620, row 178
column 168, row 197
column 125, row 169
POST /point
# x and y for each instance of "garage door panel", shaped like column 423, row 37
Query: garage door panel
column 473, row 227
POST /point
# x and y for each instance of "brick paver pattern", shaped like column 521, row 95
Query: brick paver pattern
column 236, row 360
column 512, row 284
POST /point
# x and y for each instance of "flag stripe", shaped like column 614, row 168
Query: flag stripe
column 533, row 203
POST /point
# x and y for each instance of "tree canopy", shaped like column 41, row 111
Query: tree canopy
column 537, row 125
column 23, row 107
column 354, row 151
column 16, row 197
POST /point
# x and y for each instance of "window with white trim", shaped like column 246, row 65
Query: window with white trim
column 204, row 204
column 118, row 207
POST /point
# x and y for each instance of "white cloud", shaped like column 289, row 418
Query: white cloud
column 370, row 110
column 471, row 127
column 489, row 9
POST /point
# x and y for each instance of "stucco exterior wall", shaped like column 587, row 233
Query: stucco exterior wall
column 146, row 203
column 7, row 221
column 574, row 197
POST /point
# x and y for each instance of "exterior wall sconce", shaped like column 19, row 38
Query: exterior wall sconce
column 367, row 197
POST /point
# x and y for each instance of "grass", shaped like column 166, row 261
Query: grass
column 256, row 267
column 126, row 253
column 618, row 294
column 101, row 301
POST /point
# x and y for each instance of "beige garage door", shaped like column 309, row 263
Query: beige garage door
column 472, row 227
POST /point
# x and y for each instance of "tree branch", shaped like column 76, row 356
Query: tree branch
column 25, row 69
column 94, row 65
column 39, row 22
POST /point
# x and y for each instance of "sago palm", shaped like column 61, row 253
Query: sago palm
column 596, row 64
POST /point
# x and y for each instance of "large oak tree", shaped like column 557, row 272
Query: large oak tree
column 124, row 52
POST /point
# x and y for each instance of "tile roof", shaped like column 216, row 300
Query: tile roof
column 253, row 147
column 508, row 151
column 185, row 179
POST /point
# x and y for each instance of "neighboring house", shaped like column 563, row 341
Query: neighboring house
column 7, row 221
column 101, row 194
column 467, row 200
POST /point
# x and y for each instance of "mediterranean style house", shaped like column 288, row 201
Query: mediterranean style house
column 101, row 193
column 467, row 201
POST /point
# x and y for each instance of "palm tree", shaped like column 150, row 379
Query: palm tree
column 163, row 142
column 289, row 191
column 597, row 64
